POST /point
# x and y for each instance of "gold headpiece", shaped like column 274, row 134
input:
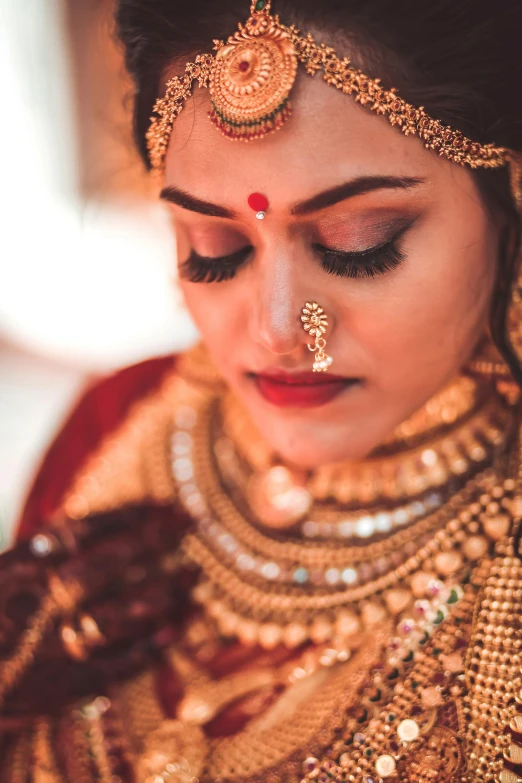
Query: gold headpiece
column 252, row 74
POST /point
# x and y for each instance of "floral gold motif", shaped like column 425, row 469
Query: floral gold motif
column 251, row 77
column 315, row 322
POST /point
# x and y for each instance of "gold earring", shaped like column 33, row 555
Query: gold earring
column 315, row 322
column 487, row 364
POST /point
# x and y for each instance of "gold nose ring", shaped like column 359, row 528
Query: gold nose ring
column 315, row 323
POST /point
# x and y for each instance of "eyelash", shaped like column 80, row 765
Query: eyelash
column 365, row 264
column 200, row 269
column 368, row 263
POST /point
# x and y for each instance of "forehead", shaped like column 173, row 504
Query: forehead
column 328, row 139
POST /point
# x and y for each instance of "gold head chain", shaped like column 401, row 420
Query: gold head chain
column 250, row 78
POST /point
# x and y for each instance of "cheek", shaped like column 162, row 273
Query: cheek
column 218, row 312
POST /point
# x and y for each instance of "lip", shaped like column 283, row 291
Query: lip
column 300, row 389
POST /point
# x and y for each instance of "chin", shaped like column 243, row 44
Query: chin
column 316, row 445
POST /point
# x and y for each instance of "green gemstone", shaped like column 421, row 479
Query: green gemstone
column 260, row 5
column 393, row 674
column 454, row 597
column 377, row 696
column 425, row 638
column 414, row 684
column 439, row 618
column 410, row 656
column 436, row 651
column 368, row 753
column 390, row 717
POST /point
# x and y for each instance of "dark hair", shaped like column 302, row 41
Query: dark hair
column 460, row 59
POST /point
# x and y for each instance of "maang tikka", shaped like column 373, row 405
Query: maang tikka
column 315, row 322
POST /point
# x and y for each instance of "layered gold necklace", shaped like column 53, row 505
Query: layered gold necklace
column 272, row 589
column 374, row 655
column 412, row 585
column 389, row 652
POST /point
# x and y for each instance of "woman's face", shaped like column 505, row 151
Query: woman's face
column 392, row 241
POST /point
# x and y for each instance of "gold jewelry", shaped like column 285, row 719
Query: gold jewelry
column 268, row 739
column 251, row 76
column 486, row 361
column 315, row 322
column 410, row 705
column 389, row 489
column 270, row 591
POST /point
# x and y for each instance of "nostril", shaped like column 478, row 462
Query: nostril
column 278, row 342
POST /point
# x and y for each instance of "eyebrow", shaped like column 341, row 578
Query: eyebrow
column 183, row 199
column 355, row 187
column 327, row 198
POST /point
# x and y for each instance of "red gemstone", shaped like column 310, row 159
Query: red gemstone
column 258, row 202
column 243, row 66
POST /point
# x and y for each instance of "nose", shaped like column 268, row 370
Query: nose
column 276, row 321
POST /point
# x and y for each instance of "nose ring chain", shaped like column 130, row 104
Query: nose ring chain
column 315, row 322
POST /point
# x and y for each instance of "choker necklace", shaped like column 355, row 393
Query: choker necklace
column 272, row 590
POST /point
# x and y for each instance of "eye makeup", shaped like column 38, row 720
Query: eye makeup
column 378, row 259
column 203, row 269
column 373, row 261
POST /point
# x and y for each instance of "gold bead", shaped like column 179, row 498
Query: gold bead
column 420, row 581
column 347, row 624
column 516, row 507
column 453, row 662
column 269, row 636
column 294, row 635
column 228, row 623
column 475, row 547
column 372, row 614
column 448, row 563
column 321, row 630
column 248, row 630
column 431, row 697
column 397, row 600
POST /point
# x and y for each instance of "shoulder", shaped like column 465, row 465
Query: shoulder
column 99, row 414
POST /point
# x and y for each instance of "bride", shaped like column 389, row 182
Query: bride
column 291, row 554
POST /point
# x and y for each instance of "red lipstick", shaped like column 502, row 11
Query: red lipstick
column 300, row 389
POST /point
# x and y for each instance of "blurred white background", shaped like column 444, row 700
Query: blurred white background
column 86, row 252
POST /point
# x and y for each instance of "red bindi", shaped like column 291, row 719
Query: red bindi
column 243, row 66
column 259, row 204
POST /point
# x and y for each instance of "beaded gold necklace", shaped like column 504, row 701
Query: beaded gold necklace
column 411, row 675
column 270, row 589
column 417, row 703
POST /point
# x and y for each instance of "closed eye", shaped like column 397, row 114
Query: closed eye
column 367, row 263
column 373, row 261
column 205, row 269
